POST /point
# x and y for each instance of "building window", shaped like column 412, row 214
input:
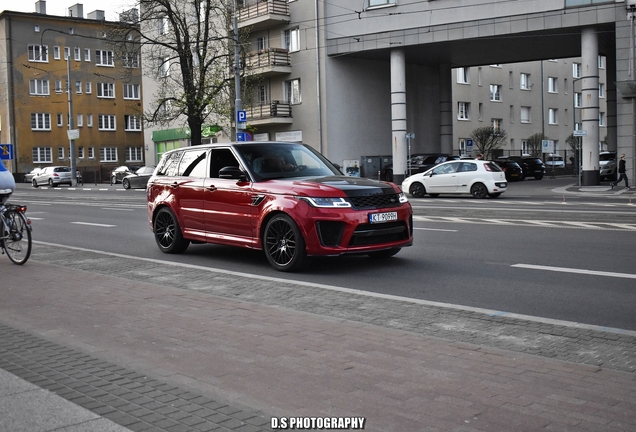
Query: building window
column 134, row 154
column 292, row 91
column 106, row 122
column 104, row 58
column 524, row 147
column 601, row 90
column 60, row 153
column 524, row 116
column 481, row 111
column 36, row 28
column 381, row 2
column 105, row 90
column 60, row 120
column 524, row 81
column 512, row 114
column 80, row 152
column 495, row 93
column 578, row 100
column 91, row 152
column 164, row 67
column 80, row 120
column 87, row 54
column 56, row 52
column 552, row 85
column 601, row 62
column 130, row 60
column 131, row 91
column 67, row 52
column 262, row 94
column 40, row 121
column 292, row 40
column 42, row 154
column 77, row 53
column 38, row 53
column 89, row 120
column 89, row 87
column 132, row 123
column 462, row 146
column 496, row 124
column 463, row 111
column 553, row 117
column 162, row 25
column 39, row 87
column 463, row 75
column 108, row 154
column 78, row 87
column 601, row 119
column 576, row 70
column 260, row 44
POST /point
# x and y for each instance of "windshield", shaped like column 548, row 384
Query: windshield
column 269, row 161
column 606, row 156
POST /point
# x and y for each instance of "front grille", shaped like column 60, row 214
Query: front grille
column 372, row 234
column 375, row 201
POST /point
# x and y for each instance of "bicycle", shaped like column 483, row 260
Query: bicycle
column 16, row 232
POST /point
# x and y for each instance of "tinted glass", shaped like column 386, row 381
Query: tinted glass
column 467, row 166
column 62, row 169
column 169, row 163
column 222, row 158
column 493, row 166
column 606, row 156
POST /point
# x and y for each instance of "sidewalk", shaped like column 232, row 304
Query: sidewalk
column 147, row 346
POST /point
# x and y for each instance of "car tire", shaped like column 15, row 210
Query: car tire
column 168, row 232
column 51, row 183
column 283, row 244
column 538, row 177
column 34, row 183
column 125, row 183
column 495, row 195
column 113, row 180
column 417, row 190
column 386, row 253
column 479, row 190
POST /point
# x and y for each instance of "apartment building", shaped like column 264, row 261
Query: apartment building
column 524, row 99
column 55, row 65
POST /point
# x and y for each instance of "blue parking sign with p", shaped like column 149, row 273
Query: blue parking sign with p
column 241, row 116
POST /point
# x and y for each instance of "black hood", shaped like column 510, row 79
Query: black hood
column 355, row 186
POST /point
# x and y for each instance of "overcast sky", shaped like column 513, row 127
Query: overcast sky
column 112, row 8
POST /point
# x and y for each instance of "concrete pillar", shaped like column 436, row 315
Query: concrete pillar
column 610, row 95
column 446, row 108
column 589, row 110
column 398, row 114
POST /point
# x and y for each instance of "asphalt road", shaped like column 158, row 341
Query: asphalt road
column 537, row 250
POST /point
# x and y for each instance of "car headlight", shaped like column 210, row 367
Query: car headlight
column 325, row 202
column 402, row 197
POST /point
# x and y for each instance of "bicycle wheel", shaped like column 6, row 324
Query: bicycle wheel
column 17, row 244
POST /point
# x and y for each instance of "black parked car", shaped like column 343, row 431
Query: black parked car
column 511, row 168
column 419, row 163
column 119, row 173
column 138, row 179
column 531, row 166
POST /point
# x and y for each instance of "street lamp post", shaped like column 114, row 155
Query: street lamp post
column 71, row 131
column 238, row 104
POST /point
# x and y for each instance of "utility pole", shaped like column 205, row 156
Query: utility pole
column 71, row 133
column 238, row 104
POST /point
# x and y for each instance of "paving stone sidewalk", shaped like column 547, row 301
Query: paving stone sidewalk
column 158, row 347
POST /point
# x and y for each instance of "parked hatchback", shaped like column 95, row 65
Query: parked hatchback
column 283, row 198
column 531, row 166
column 478, row 178
column 53, row 176
column 511, row 169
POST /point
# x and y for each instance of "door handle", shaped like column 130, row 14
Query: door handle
column 174, row 185
column 211, row 188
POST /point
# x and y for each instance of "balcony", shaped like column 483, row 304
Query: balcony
column 269, row 113
column 273, row 61
column 262, row 14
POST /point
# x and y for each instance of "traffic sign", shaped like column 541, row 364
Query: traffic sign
column 72, row 134
column 580, row 133
column 241, row 116
column 6, row 151
column 241, row 136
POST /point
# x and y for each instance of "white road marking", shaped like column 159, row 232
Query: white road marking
column 433, row 229
column 114, row 208
column 94, row 224
column 577, row 271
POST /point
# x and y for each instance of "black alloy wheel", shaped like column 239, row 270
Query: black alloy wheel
column 34, row 183
column 168, row 233
column 126, row 183
column 479, row 190
column 283, row 244
column 417, row 190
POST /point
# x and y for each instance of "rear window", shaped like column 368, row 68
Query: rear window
column 606, row 156
column 62, row 169
column 491, row 166
column 534, row 160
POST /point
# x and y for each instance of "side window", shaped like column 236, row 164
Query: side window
column 222, row 158
column 169, row 164
column 193, row 164
column 467, row 166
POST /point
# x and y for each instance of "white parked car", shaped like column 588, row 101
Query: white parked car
column 555, row 161
column 476, row 177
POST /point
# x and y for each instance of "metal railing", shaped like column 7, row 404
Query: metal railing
column 269, row 110
column 269, row 57
column 257, row 8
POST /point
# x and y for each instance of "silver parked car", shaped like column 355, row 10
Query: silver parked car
column 28, row 177
column 53, row 176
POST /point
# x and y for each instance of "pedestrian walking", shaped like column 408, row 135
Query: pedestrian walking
column 622, row 174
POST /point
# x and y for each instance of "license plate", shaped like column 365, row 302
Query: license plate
column 383, row 217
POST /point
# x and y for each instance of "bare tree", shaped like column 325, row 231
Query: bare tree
column 487, row 139
column 187, row 49
column 535, row 144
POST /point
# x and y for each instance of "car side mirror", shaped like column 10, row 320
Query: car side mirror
column 232, row 172
column 431, row 174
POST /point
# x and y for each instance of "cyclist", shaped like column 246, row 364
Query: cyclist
column 7, row 183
